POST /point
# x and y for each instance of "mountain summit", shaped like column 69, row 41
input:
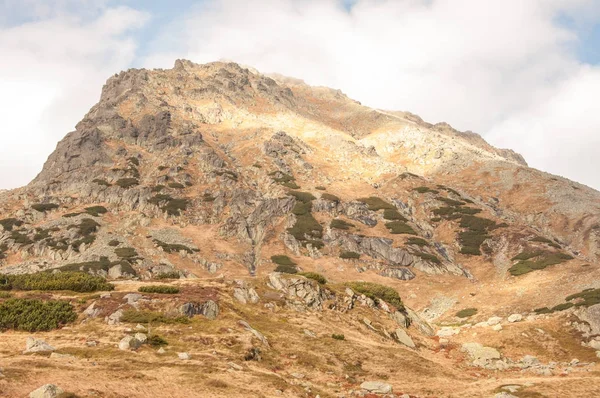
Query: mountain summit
column 319, row 247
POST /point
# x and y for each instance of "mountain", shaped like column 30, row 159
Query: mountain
column 312, row 246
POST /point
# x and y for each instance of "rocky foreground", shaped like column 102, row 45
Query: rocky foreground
column 211, row 231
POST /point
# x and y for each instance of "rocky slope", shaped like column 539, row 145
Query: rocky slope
column 215, row 173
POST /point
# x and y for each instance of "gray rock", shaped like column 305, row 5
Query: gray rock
column 591, row 315
column 161, row 351
column 515, row 318
column 141, row 337
column 184, row 356
column 92, row 311
column 255, row 332
column 34, row 345
column 403, row 337
column 301, row 293
column 480, row 355
column 56, row 355
column 47, row 391
column 132, row 298
column 494, row 320
column 114, row 318
column 235, row 366
column 209, row 309
column 376, row 387
column 129, row 343
column 504, row 395
column 245, row 294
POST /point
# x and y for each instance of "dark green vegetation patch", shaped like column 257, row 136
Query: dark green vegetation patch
column 35, row 315
column 467, row 312
column 102, row 182
column 135, row 316
column 282, row 260
column 424, row 190
column 102, row 265
column 340, row 224
column 586, row 298
column 44, row 207
column 427, row 257
column 314, row 276
column 160, row 289
column 127, row 183
column 173, row 247
column 168, row 275
column 338, row 337
column 378, row 292
column 532, row 261
column 416, row 241
column 393, row 215
column 349, row 255
column 96, row 211
column 330, row 197
column 73, row 281
column 375, row 204
column 172, row 206
column 9, row 223
column 400, row 227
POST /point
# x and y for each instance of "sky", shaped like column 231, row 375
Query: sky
column 523, row 74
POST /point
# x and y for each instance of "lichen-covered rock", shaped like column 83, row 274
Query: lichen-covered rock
column 33, row 345
column 301, row 293
column 209, row 309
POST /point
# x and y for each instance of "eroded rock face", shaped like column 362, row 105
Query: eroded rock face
column 301, row 293
column 209, row 309
column 591, row 317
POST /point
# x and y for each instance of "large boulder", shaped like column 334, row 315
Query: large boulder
column 209, row 309
column 34, row 345
column 376, row 387
column 245, row 294
column 403, row 338
column 129, row 343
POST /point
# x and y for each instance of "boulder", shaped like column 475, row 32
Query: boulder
column 47, row 391
column 129, row 343
column 209, row 309
column 141, row 337
column 376, row 387
column 591, row 315
column 515, row 318
column 301, row 293
column 34, row 345
column 255, row 332
column 245, row 294
column 402, row 337
column 494, row 320
column 480, row 355
column 92, row 311
column 114, row 318
column 184, row 356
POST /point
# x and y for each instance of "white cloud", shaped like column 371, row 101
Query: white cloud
column 506, row 69
column 51, row 73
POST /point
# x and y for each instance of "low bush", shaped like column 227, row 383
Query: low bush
column 400, row 227
column 378, row 292
column 428, row 257
column 303, row 197
column 416, row 241
column 314, row 276
column 96, row 211
column 168, row 275
column 543, row 310
column 282, row 260
column 114, row 243
column 159, row 289
column 127, row 183
column 320, row 188
column 35, row 315
column 563, row 306
column 44, row 207
column 174, row 247
column 9, row 223
column 102, row 182
column 155, row 340
column 291, row 185
column 86, row 227
column 541, row 239
column 176, row 185
column 424, row 190
column 141, row 316
column 450, row 202
column 375, row 204
column 174, row 207
column 126, row 252
column 20, row 238
column 227, row 173
column 330, row 197
column 133, row 160
column 159, row 199
column 301, row 208
column 286, row 269
column 338, row 337
column 157, row 188
column 306, row 227
column 73, row 281
column 340, row 224
column 466, row 313
column 539, row 262
column 393, row 215
column 586, row 298
column 349, row 255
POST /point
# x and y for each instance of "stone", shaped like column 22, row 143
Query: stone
column 115, row 317
column 34, row 345
column 515, row 318
column 595, row 344
column 140, row 328
column 504, row 395
column 447, row 331
column 494, row 320
column 132, row 298
column 47, row 391
column 56, row 355
column 92, row 311
column 129, row 343
column 497, row 327
column 376, row 387
column 481, row 356
column 184, row 356
column 402, row 337
column 298, row 375
column 511, row 387
column 529, row 360
column 235, row 366
column 309, row 333
column 209, row 309
column 141, row 337
column 255, row 332
column 245, row 294
column 161, row 351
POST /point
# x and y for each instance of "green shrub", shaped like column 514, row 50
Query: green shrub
column 466, row 313
column 416, row 241
column 587, row 297
column 392, row 214
column 330, row 197
column 35, row 315
column 162, row 168
column 286, row 269
column 176, row 185
column 168, row 275
column 44, row 207
column 543, row 310
column 349, row 255
column 126, row 252
column 173, row 247
column 174, row 207
column 282, row 260
column 9, row 223
column 281, row 178
column 340, row 224
column 543, row 260
column 114, row 243
column 155, row 340
column 20, row 238
column 563, row 306
column 477, row 223
column 157, row 188
column 101, row 182
column 428, row 257
column 320, row 188
column 160, row 198
column 301, row 208
column 127, row 183
column 470, row 250
column 140, row 316
column 424, row 190
column 227, row 173
column 96, row 211
column 134, row 161
column 436, row 219
column 375, row 204
column 450, row 202
column 338, row 337
column 541, row 240
column 400, row 227
column 304, row 197
column 306, row 227
column 41, row 234
column 160, row 289
column 73, row 281
column 314, row 276
column 291, row 185
column 526, row 255
column 207, row 197
column 378, row 292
